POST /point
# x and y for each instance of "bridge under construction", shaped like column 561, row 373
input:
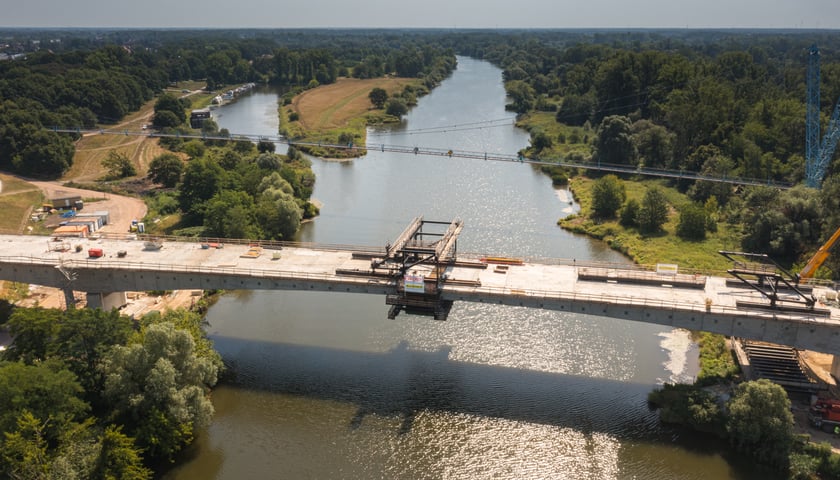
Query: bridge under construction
column 422, row 272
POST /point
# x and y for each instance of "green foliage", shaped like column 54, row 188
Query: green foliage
column 559, row 175
column 80, row 337
column 692, row 225
column 654, row 144
column 120, row 458
column 780, row 224
column 716, row 362
column 166, row 169
column 264, row 146
column 170, row 103
column 760, row 423
column 608, row 194
column 522, row 94
column 47, row 391
column 629, row 213
column 229, row 215
column 166, row 119
column 158, row 388
column 709, row 160
column 653, row 211
column 202, row 180
column 690, row 406
column 378, row 97
column 615, row 142
column 118, row 166
column 541, row 141
column 25, row 449
column 396, row 107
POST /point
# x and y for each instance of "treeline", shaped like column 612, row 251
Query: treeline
column 744, row 95
column 92, row 84
column 92, row 394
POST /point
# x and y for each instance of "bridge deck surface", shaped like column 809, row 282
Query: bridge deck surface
column 531, row 279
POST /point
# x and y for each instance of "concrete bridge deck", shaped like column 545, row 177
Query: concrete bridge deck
column 624, row 292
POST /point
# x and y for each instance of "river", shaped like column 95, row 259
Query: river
column 323, row 385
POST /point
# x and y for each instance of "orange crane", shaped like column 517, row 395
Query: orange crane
column 819, row 258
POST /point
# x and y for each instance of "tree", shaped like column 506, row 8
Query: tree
column 396, row 107
column 166, row 118
column 607, row 196
column 378, row 97
column 522, row 95
column 615, row 141
column 710, row 161
column 629, row 213
column 229, row 214
column 540, row 141
column 264, row 146
column 24, row 453
column 33, row 331
column 692, row 224
column 158, row 388
column 781, row 225
column 654, row 144
column 118, row 165
column 279, row 214
column 166, row 169
column 202, row 179
column 119, row 457
column 653, row 212
column 47, row 390
column 760, row 423
column 170, row 103
column 576, row 109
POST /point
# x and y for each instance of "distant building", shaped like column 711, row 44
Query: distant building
column 198, row 116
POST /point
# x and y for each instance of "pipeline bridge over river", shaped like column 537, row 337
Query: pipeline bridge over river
column 422, row 272
column 451, row 153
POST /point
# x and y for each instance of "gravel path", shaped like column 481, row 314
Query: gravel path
column 122, row 209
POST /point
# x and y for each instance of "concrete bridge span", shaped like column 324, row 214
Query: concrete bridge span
column 694, row 302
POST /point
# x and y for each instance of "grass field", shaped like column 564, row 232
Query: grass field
column 17, row 200
column 342, row 107
column 567, row 140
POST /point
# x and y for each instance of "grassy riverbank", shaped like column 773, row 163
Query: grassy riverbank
column 662, row 247
column 338, row 112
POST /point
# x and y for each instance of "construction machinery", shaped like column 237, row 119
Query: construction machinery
column 825, row 414
column 818, row 154
column 819, row 258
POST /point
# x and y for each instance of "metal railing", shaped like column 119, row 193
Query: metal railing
column 488, row 291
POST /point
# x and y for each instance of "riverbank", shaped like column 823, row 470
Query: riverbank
column 666, row 247
column 649, row 249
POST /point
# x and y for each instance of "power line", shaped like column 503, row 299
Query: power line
column 452, row 153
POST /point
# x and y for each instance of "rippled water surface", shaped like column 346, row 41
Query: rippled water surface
column 324, row 386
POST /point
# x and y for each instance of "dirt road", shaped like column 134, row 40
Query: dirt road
column 122, row 209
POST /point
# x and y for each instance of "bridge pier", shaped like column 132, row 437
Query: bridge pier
column 69, row 298
column 835, row 366
column 106, row 300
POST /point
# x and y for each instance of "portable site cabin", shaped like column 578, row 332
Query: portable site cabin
column 102, row 214
column 96, row 221
column 90, row 224
column 70, row 201
column 78, row 231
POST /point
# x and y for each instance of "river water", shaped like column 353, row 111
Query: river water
column 323, row 385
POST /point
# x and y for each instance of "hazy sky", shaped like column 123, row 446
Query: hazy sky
column 423, row 13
